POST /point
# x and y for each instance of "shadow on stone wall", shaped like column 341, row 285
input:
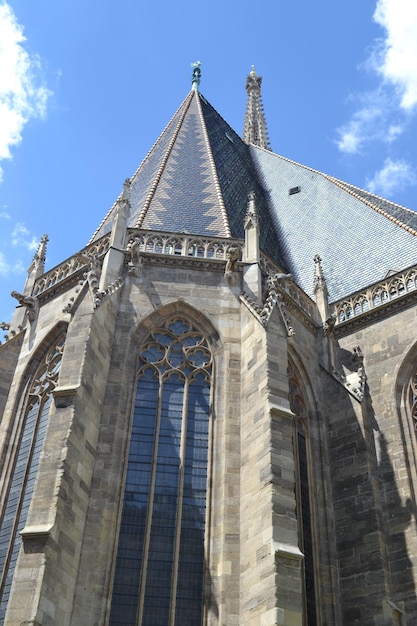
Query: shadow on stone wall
column 375, row 571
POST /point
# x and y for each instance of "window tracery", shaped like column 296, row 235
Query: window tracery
column 159, row 574
column 412, row 399
column 21, row 487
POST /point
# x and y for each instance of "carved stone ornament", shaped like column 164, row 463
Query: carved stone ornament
column 251, row 217
column 355, row 381
column 329, row 324
column 272, row 298
column 233, row 254
column 134, row 256
column 29, row 302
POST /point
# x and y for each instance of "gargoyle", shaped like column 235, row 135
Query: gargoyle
column 29, row 302
column 233, row 254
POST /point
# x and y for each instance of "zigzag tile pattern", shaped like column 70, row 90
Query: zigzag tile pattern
column 144, row 177
column 186, row 198
column 237, row 177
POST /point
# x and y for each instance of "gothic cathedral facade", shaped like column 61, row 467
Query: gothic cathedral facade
column 208, row 414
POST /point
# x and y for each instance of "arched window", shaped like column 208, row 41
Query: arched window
column 160, row 564
column 298, row 407
column 22, row 482
column 412, row 400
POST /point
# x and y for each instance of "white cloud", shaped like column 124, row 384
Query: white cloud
column 397, row 58
column 21, row 236
column 4, row 214
column 22, row 94
column 371, row 122
column 393, row 176
column 7, row 268
column 4, row 266
column 382, row 115
column 350, row 137
column 365, row 124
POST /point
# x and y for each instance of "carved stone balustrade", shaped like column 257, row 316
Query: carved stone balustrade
column 389, row 292
column 152, row 242
column 70, row 266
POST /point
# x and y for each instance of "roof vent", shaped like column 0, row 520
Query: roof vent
column 294, row 190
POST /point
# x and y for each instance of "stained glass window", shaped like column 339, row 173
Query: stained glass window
column 21, row 487
column 413, row 400
column 298, row 406
column 159, row 573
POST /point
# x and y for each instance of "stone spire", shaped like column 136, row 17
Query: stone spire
column 37, row 266
column 254, row 128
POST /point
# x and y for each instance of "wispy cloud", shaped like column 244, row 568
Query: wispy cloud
column 367, row 124
column 16, row 248
column 382, row 115
column 4, row 213
column 6, row 268
column 393, row 176
column 23, row 96
column 22, row 237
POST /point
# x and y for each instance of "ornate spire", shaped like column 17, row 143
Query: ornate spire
column 254, row 128
column 38, row 261
column 196, row 75
column 319, row 279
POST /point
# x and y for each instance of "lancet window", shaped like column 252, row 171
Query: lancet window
column 21, row 485
column 304, row 513
column 413, row 400
column 160, row 563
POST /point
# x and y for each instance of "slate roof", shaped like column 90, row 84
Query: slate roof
column 359, row 241
column 196, row 179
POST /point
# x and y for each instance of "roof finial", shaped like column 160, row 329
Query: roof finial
column 254, row 129
column 196, row 75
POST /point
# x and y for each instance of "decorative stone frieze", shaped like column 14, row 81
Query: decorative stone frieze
column 378, row 299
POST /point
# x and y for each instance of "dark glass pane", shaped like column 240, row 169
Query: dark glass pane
column 21, row 492
column 307, row 532
column 135, row 507
column 161, row 546
column 158, row 464
column 189, row 597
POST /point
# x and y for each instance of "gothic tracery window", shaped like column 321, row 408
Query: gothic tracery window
column 20, row 490
column 413, row 400
column 160, row 563
column 298, row 407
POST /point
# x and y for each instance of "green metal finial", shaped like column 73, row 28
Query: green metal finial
column 196, row 75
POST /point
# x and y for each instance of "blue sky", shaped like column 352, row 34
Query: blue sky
column 87, row 87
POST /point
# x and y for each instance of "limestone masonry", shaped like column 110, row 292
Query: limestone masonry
column 208, row 414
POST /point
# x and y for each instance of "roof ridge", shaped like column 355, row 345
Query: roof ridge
column 283, row 158
column 214, row 170
column 375, row 195
column 185, row 103
column 345, row 186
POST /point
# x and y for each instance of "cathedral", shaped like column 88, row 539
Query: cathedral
column 208, row 414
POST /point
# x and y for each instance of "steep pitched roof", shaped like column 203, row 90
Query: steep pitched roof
column 197, row 176
column 359, row 240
